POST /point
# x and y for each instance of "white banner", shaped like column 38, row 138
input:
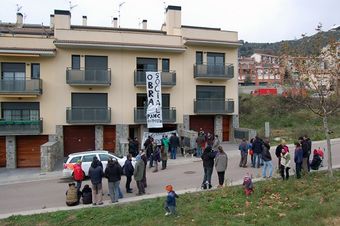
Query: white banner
column 154, row 116
column 157, row 137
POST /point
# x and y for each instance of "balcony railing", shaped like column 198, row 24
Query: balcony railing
column 212, row 71
column 77, row 115
column 85, row 77
column 168, row 78
column 168, row 114
column 213, row 106
column 21, row 127
column 21, row 87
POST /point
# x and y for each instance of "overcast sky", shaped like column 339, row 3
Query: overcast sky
column 255, row 20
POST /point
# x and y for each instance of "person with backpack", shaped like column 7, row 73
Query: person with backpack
column 243, row 147
column 86, row 194
column 128, row 171
column 78, row 174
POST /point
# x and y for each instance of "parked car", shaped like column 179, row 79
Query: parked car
column 87, row 157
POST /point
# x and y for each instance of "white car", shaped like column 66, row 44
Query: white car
column 87, row 157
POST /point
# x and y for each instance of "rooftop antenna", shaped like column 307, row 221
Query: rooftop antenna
column 318, row 27
column 19, row 7
column 119, row 7
column 139, row 22
column 164, row 4
column 72, row 6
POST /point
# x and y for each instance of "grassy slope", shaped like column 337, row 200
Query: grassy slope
column 309, row 201
column 291, row 120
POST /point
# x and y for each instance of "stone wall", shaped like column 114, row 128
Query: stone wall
column 99, row 137
column 122, row 134
column 50, row 153
column 186, row 122
column 11, row 155
column 218, row 126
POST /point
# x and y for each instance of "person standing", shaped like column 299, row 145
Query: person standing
column 267, row 159
column 298, row 159
column 128, row 170
column 156, row 157
column 138, row 175
column 210, row 139
column 96, row 175
column 257, row 148
column 306, row 145
column 170, row 202
column 208, row 166
column 285, row 164
column 145, row 161
column 216, row 143
column 243, row 147
column 200, row 141
column 78, row 174
column 113, row 174
column 221, row 164
column 174, row 144
column 251, row 152
column 164, row 151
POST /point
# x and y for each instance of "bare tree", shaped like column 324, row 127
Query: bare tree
column 314, row 82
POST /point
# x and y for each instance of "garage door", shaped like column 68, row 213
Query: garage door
column 206, row 122
column 226, row 127
column 78, row 138
column 28, row 150
column 2, row 151
column 109, row 143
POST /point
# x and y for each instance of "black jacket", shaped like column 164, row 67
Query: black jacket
column 174, row 141
column 96, row 174
column 113, row 172
column 128, row 168
column 278, row 150
column 266, row 156
column 306, row 147
column 87, row 195
column 257, row 146
column 208, row 157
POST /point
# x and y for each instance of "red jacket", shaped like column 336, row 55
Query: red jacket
column 78, row 174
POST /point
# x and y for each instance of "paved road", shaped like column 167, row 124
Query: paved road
column 182, row 174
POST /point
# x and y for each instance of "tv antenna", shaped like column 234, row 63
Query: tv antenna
column 72, row 6
column 119, row 7
column 318, row 27
column 19, row 7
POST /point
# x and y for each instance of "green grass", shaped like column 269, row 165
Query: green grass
column 313, row 200
column 290, row 120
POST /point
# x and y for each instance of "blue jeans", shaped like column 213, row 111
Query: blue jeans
column 173, row 152
column 114, row 190
column 207, row 175
column 264, row 168
column 199, row 151
column 257, row 160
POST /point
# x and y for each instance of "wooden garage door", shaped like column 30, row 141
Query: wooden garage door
column 2, row 151
column 78, row 138
column 109, row 143
column 28, row 150
column 206, row 122
column 226, row 127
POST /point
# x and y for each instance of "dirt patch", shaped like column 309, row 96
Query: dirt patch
column 334, row 221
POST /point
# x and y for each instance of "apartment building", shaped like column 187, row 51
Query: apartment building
column 74, row 88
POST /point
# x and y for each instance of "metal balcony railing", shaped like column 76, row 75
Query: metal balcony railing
column 21, row 87
column 168, row 78
column 77, row 115
column 21, row 127
column 83, row 77
column 168, row 114
column 213, row 106
column 213, row 71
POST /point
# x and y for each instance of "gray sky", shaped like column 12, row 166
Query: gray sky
column 255, row 20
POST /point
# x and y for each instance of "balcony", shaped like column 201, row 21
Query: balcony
column 21, row 87
column 169, row 115
column 168, row 78
column 212, row 71
column 21, row 127
column 213, row 106
column 87, row 77
column 77, row 115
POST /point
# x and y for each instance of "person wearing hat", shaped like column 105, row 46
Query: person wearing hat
column 113, row 174
column 138, row 175
column 78, row 174
column 72, row 195
column 96, row 175
column 170, row 202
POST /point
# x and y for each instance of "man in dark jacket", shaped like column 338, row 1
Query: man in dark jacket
column 298, row 158
column 306, row 145
column 257, row 148
column 96, row 175
column 174, row 144
column 267, row 160
column 128, row 170
column 208, row 166
column 113, row 174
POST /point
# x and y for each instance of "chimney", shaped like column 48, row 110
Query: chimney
column 115, row 22
column 51, row 21
column 173, row 20
column 62, row 19
column 20, row 20
column 84, row 20
column 145, row 24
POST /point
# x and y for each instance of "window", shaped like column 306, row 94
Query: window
column 17, row 111
column 165, row 65
column 13, row 71
column 88, row 158
column 104, row 157
column 76, row 62
column 142, row 100
column 35, row 71
column 210, row 92
column 199, row 57
column 89, row 100
column 147, row 64
column 75, row 159
column 215, row 58
column 96, row 62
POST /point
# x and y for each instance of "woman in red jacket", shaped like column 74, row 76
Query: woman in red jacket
column 78, row 174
